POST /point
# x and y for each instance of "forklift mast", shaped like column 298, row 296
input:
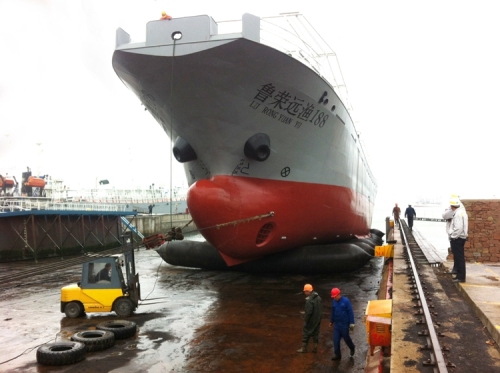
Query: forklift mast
column 134, row 288
column 129, row 266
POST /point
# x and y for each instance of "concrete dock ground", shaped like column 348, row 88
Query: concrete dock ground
column 207, row 321
column 190, row 321
column 482, row 291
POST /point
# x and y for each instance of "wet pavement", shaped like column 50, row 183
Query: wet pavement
column 189, row 321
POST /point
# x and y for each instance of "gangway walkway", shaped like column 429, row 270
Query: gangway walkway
column 423, row 250
column 129, row 225
column 430, row 252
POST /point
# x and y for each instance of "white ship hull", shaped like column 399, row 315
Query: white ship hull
column 217, row 93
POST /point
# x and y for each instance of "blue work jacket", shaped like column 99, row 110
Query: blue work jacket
column 342, row 314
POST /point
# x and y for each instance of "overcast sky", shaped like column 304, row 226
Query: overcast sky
column 423, row 77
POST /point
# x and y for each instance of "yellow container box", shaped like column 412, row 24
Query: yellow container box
column 379, row 308
column 386, row 251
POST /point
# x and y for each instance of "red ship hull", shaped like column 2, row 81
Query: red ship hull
column 249, row 218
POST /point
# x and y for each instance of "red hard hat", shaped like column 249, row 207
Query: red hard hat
column 335, row 292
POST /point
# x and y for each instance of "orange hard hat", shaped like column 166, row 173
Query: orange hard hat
column 335, row 292
column 308, row 287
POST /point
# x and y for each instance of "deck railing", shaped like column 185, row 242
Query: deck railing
column 294, row 35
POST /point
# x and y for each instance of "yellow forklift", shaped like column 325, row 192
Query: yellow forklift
column 104, row 287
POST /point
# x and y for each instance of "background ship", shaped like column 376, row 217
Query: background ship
column 269, row 148
column 44, row 192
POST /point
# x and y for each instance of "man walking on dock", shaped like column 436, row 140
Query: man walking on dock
column 342, row 320
column 312, row 318
column 410, row 214
column 396, row 211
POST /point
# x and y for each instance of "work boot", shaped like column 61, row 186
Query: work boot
column 315, row 347
column 336, row 357
column 303, row 349
column 353, row 350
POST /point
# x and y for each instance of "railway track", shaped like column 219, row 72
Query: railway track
column 415, row 257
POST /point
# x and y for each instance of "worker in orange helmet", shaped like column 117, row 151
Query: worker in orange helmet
column 312, row 318
column 165, row 16
column 342, row 320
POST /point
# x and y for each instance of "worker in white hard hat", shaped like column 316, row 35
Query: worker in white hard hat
column 457, row 226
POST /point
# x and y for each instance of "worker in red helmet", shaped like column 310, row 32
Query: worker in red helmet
column 312, row 318
column 342, row 320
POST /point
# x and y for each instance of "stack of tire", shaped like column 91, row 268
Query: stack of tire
column 64, row 353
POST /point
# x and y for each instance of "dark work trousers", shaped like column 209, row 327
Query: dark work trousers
column 454, row 270
column 457, row 248
column 340, row 332
column 410, row 221
column 308, row 333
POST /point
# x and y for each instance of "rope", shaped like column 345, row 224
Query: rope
column 185, row 225
column 235, row 222
column 171, row 127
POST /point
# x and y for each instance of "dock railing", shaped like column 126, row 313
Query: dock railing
column 33, row 203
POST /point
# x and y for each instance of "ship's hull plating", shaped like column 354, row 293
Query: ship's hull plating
column 314, row 188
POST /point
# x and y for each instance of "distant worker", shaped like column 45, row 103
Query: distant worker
column 165, row 16
column 396, row 211
column 4, row 186
column 457, row 233
column 342, row 320
column 410, row 214
column 448, row 216
column 104, row 274
column 150, row 208
column 312, row 318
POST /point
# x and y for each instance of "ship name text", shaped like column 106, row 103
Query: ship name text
column 287, row 109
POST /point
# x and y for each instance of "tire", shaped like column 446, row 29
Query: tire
column 73, row 310
column 123, row 307
column 122, row 329
column 60, row 353
column 95, row 340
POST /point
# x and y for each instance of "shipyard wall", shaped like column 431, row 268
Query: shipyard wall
column 39, row 235
column 162, row 223
column 483, row 244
